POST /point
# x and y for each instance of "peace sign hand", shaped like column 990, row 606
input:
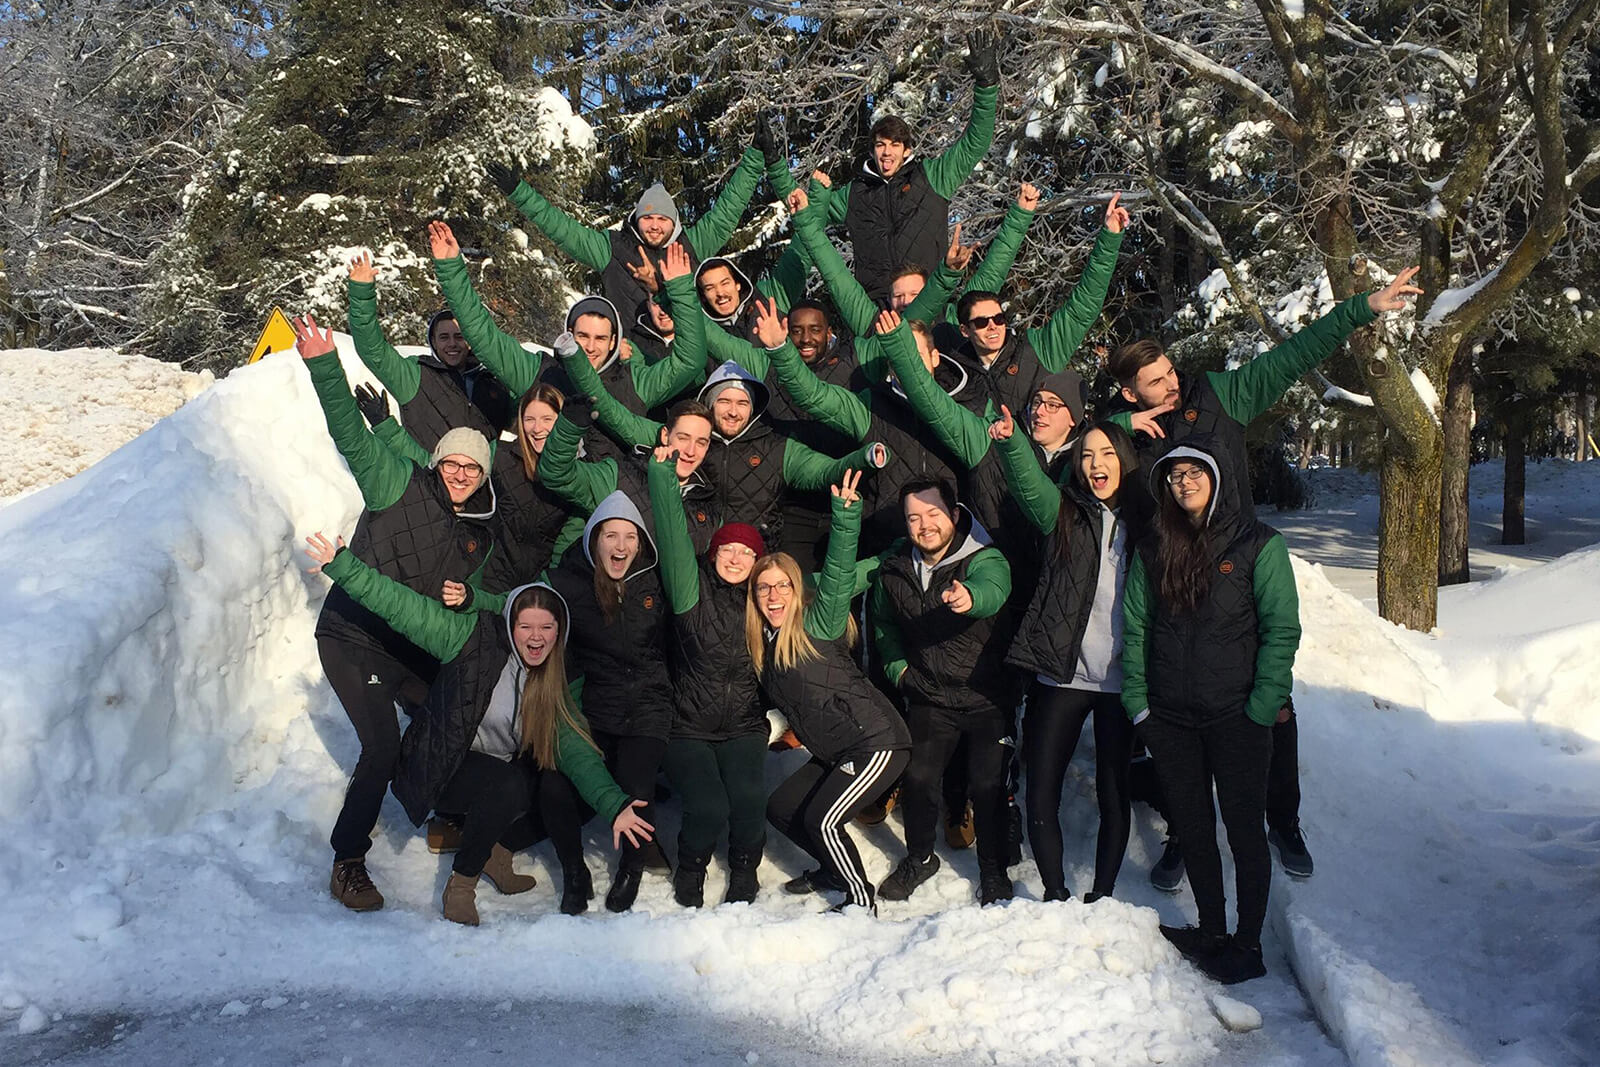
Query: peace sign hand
column 846, row 489
column 1392, row 297
column 771, row 328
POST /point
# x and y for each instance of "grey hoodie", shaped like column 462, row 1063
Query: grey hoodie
column 618, row 505
column 500, row 733
column 731, row 372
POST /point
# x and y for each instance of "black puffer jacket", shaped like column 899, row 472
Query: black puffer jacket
column 621, row 659
column 835, row 711
column 748, row 466
column 1013, row 377
column 1052, row 626
column 614, row 375
column 699, row 495
column 913, row 453
column 894, row 222
column 531, row 518
column 714, row 682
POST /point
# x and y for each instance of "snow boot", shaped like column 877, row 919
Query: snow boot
column 1167, row 874
column 577, row 888
column 958, row 829
column 461, row 899
column 879, row 809
column 352, row 886
column 444, row 836
column 689, row 880
column 1091, row 896
column 1192, row 942
column 742, row 883
column 1232, row 963
column 815, row 881
column 905, row 878
column 652, row 857
column 1057, row 893
column 994, row 885
column 1292, row 852
column 500, row 874
column 625, row 887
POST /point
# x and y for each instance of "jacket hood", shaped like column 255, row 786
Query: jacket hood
column 511, row 598
column 869, row 168
column 481, row 504
column 433, row 359
column 746, row 289
column 949, row 375
column 970, row 537
column 1225, row 505
column 644, row 324
column 1069, row 386
column 760, row 395
column 656, row 201
column 599, row 305
column 618, row 505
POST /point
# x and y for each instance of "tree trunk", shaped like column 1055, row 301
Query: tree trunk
column 1455, row 520
column 1581, row 407
column 1408, row 534
column 1513, row 528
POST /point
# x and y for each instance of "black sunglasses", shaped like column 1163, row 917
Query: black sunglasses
column 981, row 322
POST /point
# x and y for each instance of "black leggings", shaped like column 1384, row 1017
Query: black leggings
column 1234, row 754
column 367, row 680
column 935, row 737
column 723, row 784
column 633, row 763
column 497, row 801
column 813, row 805
column 1050, row 730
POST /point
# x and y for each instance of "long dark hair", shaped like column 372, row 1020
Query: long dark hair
column 609, row 591
column 1183, row 550
column 549, row 395
column 1127, row 458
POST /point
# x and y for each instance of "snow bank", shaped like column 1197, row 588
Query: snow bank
column 67, row 410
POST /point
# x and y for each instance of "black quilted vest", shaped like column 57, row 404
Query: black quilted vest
column 699, row 496
column 441, row 404
column 1199, row 413
column 749, row 478
column 620, row 287
column 894, row 222
column 715, row 694
column 531, row 516
column 1012, row 378
column 1059, row 601
column 835, row 712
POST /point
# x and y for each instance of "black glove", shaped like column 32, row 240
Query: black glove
column 374, row 404
column 983, row 58
column 506, row 175
column 769, row 136
column 579, row 410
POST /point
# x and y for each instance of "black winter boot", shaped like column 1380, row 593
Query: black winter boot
column 577, row 888
column 689, row 880
column 742, row 884
column 625, row 887
column 994, row 885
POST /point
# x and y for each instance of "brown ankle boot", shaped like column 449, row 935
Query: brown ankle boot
column 444, row 836
column 502, row 877
column 461, row 899
column 352, row 886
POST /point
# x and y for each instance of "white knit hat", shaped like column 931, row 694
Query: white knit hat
column 463, row 441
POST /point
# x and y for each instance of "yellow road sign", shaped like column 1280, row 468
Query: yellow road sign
column 276, row 335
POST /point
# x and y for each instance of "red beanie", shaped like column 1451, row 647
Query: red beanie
column 738, row 533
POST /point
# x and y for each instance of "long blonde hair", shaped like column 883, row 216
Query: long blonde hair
column 546, row 698
column 551, row 397
column 792, row 646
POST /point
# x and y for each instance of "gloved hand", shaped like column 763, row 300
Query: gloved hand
column 506, row 175
column 374, row 404
column 565, row 345
column 983, row 58
column 579, row 410
column 769, row 136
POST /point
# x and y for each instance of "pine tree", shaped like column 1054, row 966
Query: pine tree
column 371, row 120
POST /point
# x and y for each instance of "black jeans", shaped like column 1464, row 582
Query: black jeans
column 1283, row 777
column 633, row 763
column 497, row 801
column 1050, row 730
column 1233, row 754
column 935, row 734
column 723, row 784
column 367, row 681
column 813, row 805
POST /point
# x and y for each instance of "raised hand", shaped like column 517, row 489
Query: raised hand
column 797, row 201
column 565, row 345
column 769, row 136
column 846, row 489
column 772, row 329
column 1116, row 217
column 321, row 551
column 374, row 404
column 1028, row 197
column 624, row 349
column 886, row 322
column 442, row 241
column 958, row 255
column 361, row 268
column 309, row 341
column 453, row 594
column 822, row 179
column 644, row 272
column 958, row 598
column 1145, row 421
column 1392, row 297
column 505, row 175
column 665, row 454
column 630, row 824
column 578, row 409
column 983, row 57
column 1003, row 427
column 675, row 264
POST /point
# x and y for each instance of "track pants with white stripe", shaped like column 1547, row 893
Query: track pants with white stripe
column 813, row 806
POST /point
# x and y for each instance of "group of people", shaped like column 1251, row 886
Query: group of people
column 888, row 517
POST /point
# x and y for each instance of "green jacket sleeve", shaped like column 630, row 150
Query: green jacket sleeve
column 958, row 429
column 583, row 483
column 1060, row 337
column 1249, row 390
column 402, row 444
column 1031, row 486
column 708, row 235
column 609, row 412
column 996, row 266
column 830, row 610
column 806, row 468
column 1278, row 625
column 680, row 573
column 887, row 644
column 380, row 474
column 1137, row 608
column 724, row 346
column 398, row 374
column 947, row 171
column 834, row 406
column 590, row 247
column 658, row 382
column 837, row 202
column 499, row 351
column 934, row 301
column 989, row 582
column 584, row 767
column 426, row 622
column 786, row 281
column 856, row 308
column 1123, row 419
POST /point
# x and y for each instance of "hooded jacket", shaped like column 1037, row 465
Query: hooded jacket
column 736, row 322
column 621, row 657
column 532, row 519
column 620, row 285
column 748, row 466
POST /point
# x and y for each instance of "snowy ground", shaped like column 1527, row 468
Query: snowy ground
column 170, row 761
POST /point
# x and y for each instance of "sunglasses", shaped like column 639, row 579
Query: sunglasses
column 981, row 322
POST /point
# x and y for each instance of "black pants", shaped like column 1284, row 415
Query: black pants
column 1050, row 730
column 813, row 805
column 496, row 801
column 367, row 681
column 722, row 784
column 1233, row 754
column 633, row 763
column 935, row 734
column 1283, row 776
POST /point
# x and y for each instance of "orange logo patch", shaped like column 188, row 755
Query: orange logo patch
column 1190, row 415
column 1012, row 369
column 1226, row 566
column 906, row 188
column 755, row 461
column 699, row 516
column 472, row 546
column 649, row 602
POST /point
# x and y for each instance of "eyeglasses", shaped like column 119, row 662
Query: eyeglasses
column 451, row 467
column 781, row 586
column 735, row 550
column 981, row 322
column 1049, row 407
column 1192, row 475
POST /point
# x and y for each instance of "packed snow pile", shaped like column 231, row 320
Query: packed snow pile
column 67, row 410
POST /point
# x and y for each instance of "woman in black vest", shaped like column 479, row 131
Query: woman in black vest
column 537, row 525
column 1211, row 623
column 858, row 742
column 1070, row 639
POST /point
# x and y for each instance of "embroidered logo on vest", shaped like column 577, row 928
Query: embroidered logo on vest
column 755, row 461
column 699, row 516
column 906, row 188
column 1226, row 566
column 1190, row 415
column 1012, row 370
column 649, row 602
column 472, row 546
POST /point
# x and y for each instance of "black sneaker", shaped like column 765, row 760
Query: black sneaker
column 1193, row 942
column 1232, row 963
column 1167, row 874
column 1292, row 852
column 994, row 886
column 1060, row 894
column 905, row 878
column 817, row 881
